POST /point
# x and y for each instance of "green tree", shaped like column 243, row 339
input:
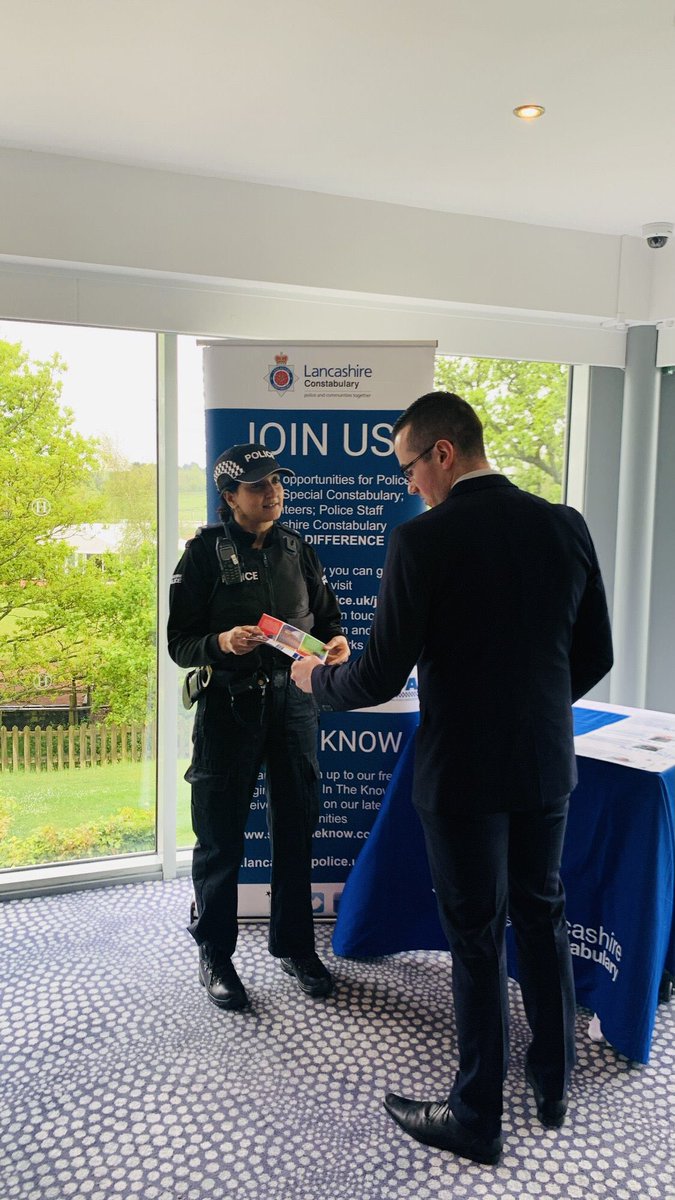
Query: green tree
column 121, row 638
column 44, row 469
column 128, row 493
column 523, row 408
column 63, row 617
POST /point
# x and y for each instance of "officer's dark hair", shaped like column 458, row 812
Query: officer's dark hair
column 224, row 511
column 442, row 415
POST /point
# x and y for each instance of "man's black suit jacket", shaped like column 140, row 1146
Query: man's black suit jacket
column 497, row 596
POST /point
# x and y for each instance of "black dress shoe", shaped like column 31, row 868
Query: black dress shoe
column 551, row 1113
column 434, row 1125
column 223, row 986
column 310, row 974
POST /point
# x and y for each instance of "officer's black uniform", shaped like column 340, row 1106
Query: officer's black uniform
column 251, row 713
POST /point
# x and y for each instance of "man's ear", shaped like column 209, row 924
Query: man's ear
column 446, row 453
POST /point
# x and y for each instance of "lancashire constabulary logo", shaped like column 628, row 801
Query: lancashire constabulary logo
column 280, row 376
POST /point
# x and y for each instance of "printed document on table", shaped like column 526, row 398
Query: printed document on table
column 644, row 742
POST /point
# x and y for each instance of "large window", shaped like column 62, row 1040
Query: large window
column 78, row 570
column 77, row 593
column 523, row 407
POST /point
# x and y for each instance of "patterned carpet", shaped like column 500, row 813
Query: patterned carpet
column 120, row 1080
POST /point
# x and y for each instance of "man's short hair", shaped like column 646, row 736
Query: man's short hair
column 443, row 415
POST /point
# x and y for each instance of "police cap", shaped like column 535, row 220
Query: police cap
column 246, row 463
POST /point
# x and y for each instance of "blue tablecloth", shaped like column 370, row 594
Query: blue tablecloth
column 619, row 874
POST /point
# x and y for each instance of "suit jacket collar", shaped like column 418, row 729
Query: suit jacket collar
column 464, row 486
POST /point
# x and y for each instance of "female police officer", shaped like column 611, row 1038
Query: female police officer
column 251, row 713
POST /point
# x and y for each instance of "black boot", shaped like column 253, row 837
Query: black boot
column 223, row 986
column 310, row 974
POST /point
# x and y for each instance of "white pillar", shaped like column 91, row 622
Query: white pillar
column 635, row 520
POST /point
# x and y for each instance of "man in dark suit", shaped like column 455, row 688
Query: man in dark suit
column 497, row 596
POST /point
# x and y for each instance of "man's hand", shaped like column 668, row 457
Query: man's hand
column 301, row 672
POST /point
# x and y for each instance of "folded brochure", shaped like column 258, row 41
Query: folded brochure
column 290, row 640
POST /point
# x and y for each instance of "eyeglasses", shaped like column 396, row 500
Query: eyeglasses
column 406, row 471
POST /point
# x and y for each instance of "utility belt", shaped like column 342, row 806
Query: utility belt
column 194, row 684
column 258, row 680
column 197, row 681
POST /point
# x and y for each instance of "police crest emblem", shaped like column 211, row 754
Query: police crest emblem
column 280, row 376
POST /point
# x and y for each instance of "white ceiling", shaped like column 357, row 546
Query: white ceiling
column 403, row 102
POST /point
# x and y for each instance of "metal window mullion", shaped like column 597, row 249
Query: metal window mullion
column 167, row 673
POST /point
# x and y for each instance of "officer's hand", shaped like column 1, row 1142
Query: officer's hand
column 301, row 672
column 242, row 639
column 338, row 650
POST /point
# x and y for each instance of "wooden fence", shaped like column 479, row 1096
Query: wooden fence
column 66, row 747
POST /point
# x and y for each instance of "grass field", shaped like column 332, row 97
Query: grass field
column 68, row 799
column 191, row 509
column 9, row 623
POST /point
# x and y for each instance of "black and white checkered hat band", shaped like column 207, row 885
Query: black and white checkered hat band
column 230, row 468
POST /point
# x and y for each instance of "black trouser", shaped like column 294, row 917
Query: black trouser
column 481, row 867
column 233, row 736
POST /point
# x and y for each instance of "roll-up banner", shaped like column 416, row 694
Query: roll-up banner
column 327, row 411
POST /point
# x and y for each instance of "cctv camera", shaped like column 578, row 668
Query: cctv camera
column 657, row 234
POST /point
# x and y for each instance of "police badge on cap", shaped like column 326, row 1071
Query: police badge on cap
column 246, row 464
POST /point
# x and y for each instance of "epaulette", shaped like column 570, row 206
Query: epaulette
column 292, row 540
column 200, row 530
column 205, row 528
column 288, row 529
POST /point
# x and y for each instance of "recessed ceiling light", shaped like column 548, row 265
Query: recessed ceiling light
column 529, row 112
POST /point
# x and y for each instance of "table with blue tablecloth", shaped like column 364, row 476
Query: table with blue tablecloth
column 618, row 868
